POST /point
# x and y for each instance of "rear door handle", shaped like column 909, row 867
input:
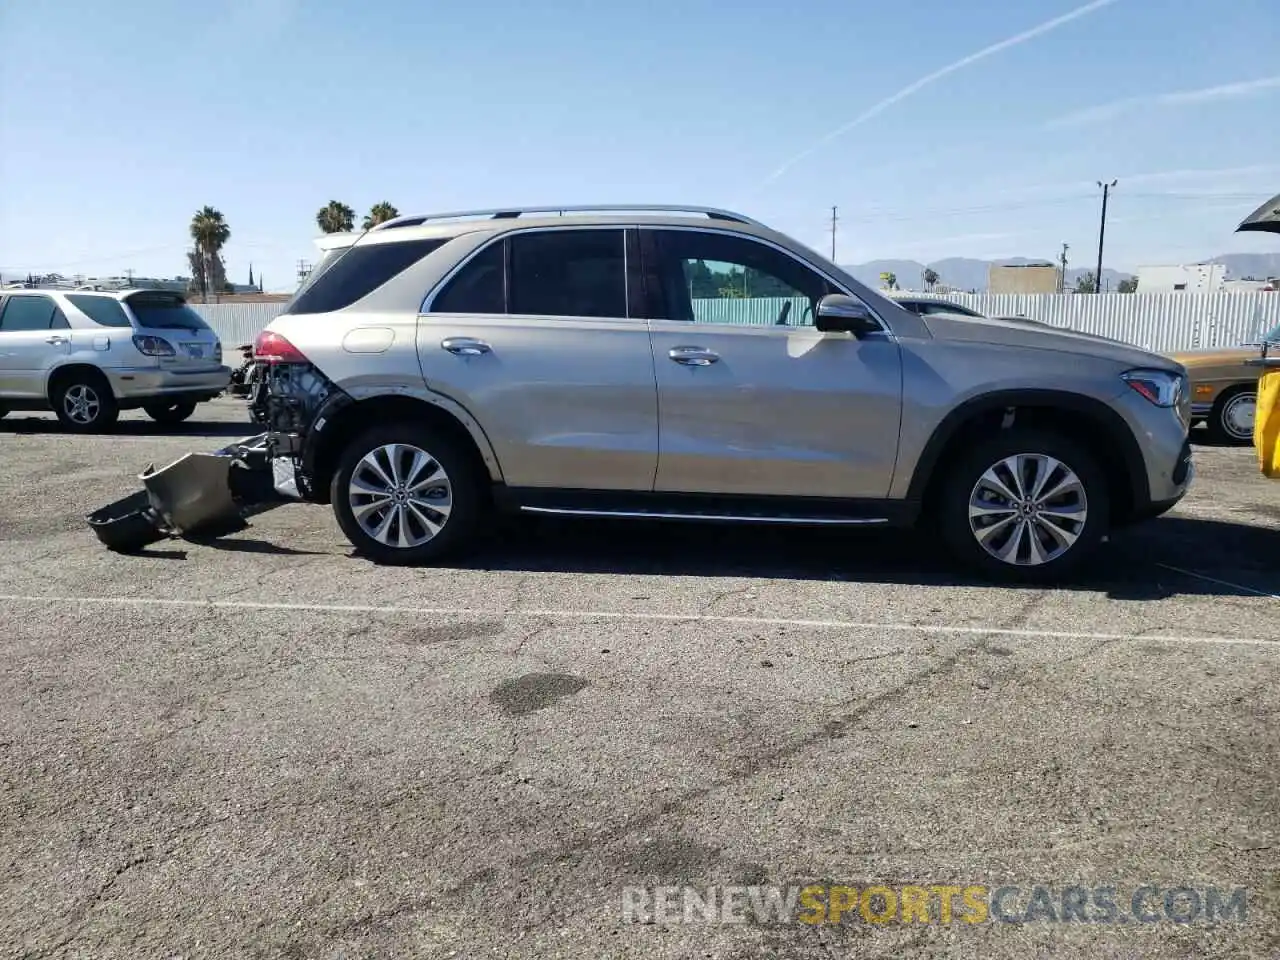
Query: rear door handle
column 693, row 356
column 56, row 340
column 465, row 346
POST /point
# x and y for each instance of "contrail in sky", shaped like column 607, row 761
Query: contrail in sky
column 924, row 81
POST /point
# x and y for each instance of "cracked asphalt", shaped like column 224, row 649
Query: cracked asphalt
column 265, row 747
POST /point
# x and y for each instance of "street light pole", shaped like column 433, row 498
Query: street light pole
column 1102, row 232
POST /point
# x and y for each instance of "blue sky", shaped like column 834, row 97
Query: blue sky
column 119, row 120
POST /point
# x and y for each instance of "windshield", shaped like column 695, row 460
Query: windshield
column 1272, row 335
column 165, row 312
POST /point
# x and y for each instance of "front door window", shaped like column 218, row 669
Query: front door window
column 721, row 279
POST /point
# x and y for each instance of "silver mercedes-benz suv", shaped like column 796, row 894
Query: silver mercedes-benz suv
column 692, row 364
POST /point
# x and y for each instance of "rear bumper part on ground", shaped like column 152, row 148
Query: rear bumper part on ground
column 198, row 495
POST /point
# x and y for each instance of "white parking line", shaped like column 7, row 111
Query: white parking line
column 1221, row 583
column 398, row 611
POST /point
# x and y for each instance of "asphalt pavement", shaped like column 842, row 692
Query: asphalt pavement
column 263, row 746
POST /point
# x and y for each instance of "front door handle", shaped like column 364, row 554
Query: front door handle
column 56, row 340
column 465, row 346
column 693, row 356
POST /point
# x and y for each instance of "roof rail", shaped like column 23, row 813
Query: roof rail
column 511, row 213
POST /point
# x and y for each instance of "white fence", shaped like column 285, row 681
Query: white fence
column 1163, row 322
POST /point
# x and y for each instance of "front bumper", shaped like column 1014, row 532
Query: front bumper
column 129, row 383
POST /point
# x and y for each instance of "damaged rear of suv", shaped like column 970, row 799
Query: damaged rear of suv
column 692, row 364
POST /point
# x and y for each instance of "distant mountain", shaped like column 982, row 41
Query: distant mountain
column 1260, row 266
column 961, row 273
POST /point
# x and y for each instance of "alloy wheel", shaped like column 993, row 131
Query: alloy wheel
column 1028, row 509
column 81, row 404
column 400, row 495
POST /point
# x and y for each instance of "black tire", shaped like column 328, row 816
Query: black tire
column 461, row 527
column 1221, row 422
column 951, row 508
column 169, row 412
column 83, row 402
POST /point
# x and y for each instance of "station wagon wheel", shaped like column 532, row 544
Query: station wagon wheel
column 1024, row 505
column 404, row 494
column 83, row 401
column 1231, row 419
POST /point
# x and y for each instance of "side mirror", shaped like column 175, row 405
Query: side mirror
column 838, row 313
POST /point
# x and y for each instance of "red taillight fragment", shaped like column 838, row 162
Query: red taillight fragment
column 271, row 347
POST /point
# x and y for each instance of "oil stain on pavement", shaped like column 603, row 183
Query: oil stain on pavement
column 535, row 691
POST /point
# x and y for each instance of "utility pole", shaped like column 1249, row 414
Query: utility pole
column 1062, row 277
column 834, row 218
column 1102, row 232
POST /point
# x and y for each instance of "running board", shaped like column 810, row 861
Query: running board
column 707, row 517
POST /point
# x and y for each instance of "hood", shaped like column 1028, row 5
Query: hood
column 1040, row 336
column 1266, row 219
column 1208, row 358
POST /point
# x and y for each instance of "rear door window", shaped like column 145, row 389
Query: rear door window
column 104, row 311
column 25, row 312
column 357, row 272
column 479, row 287
column 568, row 273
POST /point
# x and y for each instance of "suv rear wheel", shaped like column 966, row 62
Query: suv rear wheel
column 1025, row 505
column 83, row 401
column 404, row 494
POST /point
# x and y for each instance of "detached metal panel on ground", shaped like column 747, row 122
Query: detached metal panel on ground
column 1163, row 322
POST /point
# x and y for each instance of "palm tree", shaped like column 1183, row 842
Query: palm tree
column 335, row 217
column 380, row 213
column 930, row 277
column 210, row 232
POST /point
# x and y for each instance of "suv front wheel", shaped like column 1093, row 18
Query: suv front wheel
column 1024, row 505
column 403, row 494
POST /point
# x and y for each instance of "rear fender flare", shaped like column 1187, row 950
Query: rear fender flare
column 343, row 398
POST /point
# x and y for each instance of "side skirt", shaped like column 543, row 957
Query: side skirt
column 705, row 508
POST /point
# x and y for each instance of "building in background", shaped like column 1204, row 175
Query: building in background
column 1024, row 278
column 1188, row 277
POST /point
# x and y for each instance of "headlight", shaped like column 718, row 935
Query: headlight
column 1161, row 387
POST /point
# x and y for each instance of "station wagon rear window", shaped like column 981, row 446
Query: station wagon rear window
column 158, row 311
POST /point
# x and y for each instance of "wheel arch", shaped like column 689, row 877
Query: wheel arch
column 342, row 417
column 62, row 371
column 1084, row 419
